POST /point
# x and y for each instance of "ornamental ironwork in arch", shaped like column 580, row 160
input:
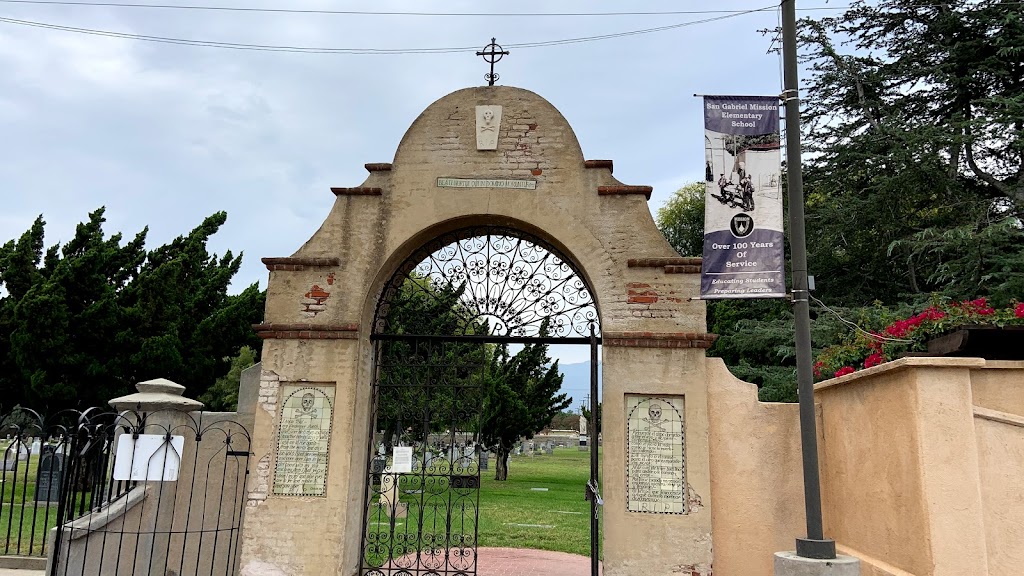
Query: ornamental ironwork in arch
column 494, row 280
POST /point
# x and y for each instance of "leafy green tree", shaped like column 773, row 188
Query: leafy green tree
column 428, row 386
column 522, row 398
column 916, row 179
column 564, row 420
column 223, row 395
column 681, row 220
column 88, row 320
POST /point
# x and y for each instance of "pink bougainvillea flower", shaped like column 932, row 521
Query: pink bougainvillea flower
column 844, row 371
column 873, row 360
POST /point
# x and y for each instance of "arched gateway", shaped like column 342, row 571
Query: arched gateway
column 488, row 227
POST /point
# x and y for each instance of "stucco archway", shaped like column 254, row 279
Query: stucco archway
column 321, row 300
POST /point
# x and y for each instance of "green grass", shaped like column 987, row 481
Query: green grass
column 23, row 528
column 511, row 514
column 20, row 523
column 564, row 474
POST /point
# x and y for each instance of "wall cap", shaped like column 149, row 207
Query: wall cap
column 157, row 394
column 997, row 416
column 903, row 364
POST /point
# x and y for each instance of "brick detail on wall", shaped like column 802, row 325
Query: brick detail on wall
column 594, row 164
column 378, row 167
column 260, row 484
column 298, row 264
column 625, row 190
column 304, row 331
column 659, row 339
column 357, row 191
column 682, row 269
column 640, row 293
column 269, row 384
column 662, row 262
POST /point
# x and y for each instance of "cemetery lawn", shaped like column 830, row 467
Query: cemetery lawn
column 23, row 527
column 558, row 519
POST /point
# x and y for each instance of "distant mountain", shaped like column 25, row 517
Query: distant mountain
column 576, row 382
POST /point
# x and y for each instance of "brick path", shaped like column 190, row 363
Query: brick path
column 521, row 562
column 524, row 562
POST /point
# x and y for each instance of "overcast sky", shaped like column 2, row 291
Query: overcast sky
column 164, row 135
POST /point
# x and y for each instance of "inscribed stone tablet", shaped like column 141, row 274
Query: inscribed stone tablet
column 303, row 439
column 655, row 455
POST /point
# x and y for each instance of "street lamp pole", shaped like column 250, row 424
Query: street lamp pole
column 815, row 545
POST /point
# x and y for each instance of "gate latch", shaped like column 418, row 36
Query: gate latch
column 592, row 493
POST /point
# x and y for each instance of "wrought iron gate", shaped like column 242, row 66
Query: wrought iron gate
column 439, row 322
column 129, row 494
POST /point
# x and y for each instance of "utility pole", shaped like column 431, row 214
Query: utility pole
column 815, row 545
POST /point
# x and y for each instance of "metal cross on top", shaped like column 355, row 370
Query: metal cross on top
column 492, row 53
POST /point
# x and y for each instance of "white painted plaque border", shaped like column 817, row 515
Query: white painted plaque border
column 296, row 391
column 676, row 404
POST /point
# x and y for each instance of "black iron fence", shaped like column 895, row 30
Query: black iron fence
column 128, row 493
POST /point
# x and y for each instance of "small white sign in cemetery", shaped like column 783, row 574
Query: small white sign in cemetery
column 148, row 458
column 402, row 461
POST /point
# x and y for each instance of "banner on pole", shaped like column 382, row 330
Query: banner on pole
column 743, row 234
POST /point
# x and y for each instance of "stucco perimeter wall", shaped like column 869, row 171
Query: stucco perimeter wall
column 757, row 506
column 1001, row 458
column 999, row 386
column 919, row 475
column 917, row 478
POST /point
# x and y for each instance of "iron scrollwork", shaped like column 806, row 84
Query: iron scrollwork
column 509, row 281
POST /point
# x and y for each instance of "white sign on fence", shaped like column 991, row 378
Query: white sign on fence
column 402, row 462
column 150, row 457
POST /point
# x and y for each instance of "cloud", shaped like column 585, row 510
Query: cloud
column 165, row 135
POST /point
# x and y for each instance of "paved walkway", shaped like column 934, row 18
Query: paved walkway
column 490, row 562
column 525, row 562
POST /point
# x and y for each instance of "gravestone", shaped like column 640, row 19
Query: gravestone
column 484, row 457
column 37, row 447
column 13, row 454
column 549, row 449
column 50, row 475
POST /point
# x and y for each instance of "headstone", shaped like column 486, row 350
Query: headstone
column 50, row 476
column 13, row 454
column 549, row 449
column 484, row 457
column 37, row 447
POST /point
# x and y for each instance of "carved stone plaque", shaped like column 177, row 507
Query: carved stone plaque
column 655, row 455
column 488, row 119
column 303, row 439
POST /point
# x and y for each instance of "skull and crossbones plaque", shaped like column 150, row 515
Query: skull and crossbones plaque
column 655, row 455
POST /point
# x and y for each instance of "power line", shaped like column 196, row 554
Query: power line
column 375, row 51
column 374, row 12
column 405, row 13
